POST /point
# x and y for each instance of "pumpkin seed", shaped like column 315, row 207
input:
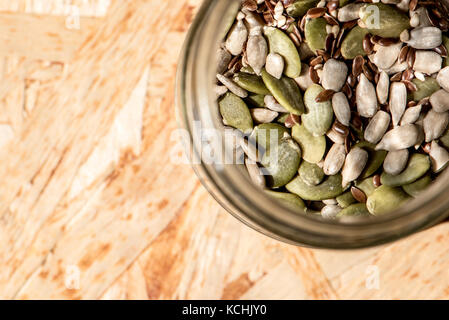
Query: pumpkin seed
column 311, row 173
column 319, row 115
column 346, row 199
column 354, row 210
column 385, row 199
column 281, row 44
column 286, row 92
column 425, row 88
column 300, row 8
column 366, row 185
column 329, row 188
column 235, row 112
column 415, row 188
column 384, row 20
column 251, row 83
column 313, row 148
column 288, row 199
column 255, row 100
column 417, row 166
column 281, row 162
column 446, row 45
column 315, row 32
column 352, row 45
column 269, row 133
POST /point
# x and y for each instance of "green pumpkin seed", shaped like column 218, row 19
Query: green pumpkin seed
column 311, row 173
column 247, row 69
column 444, row 139
column 263, row 134
column 235, row 112
column 354, row 210
column 329, row 188
column 281, row 162
column 384, row 20
column 251, row 83
column 255, row 100
column 385, row 199
column 315, row 31
column 300, row 7
column 289, row 199
column 282, row 118
column 319, row 115
column 285, row 91
column 425, row 88
column 346, row 199
column 415, row 188
column 446, row 44
column 352, row 45
column 417, row 166
column 281, row 44
column 366, row 185
column 342, row 3
column 313, row 148
column 375, row 158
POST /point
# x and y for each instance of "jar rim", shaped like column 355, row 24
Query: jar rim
column 244, row 201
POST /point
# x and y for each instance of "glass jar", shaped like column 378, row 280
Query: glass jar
column 229, row 184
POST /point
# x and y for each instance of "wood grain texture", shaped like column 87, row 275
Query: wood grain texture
column 92, row 207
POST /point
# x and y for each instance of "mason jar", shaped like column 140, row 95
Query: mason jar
column 228, row 182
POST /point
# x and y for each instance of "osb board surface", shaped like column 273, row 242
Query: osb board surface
column 92, row 207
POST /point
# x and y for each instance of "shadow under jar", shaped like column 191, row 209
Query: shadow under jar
column 198, row 114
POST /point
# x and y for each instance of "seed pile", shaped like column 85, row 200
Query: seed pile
column 347, row 101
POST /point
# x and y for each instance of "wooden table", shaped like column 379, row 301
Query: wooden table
column 91, row 206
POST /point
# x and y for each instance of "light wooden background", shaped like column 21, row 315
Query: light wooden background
column 92, row 208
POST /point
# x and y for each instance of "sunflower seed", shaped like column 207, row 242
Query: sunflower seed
column 272, row 104
column 341, row 108
column 255, row 173
column 232, row 86
column 383, row 87
column 411, row 115
column 428, row 62
column 275, row 65
column 435, row 123
column 349, row 12
column 237, row 38
column 256, row 52
column 439, row 157
column 330, row 201
column 263, row 115
column 304, row 81
column 366, row 98
column 396, row 161
column 385, row 57
column 334, row 160
column 250, row 149
column 402, row 137
column 440, row 101
column 330, row 211
column 398, row 101
column 425, row 38
column 354, row 164
column 443, row 78
column 377, row 127
column 335, row 137
column 334, row 75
